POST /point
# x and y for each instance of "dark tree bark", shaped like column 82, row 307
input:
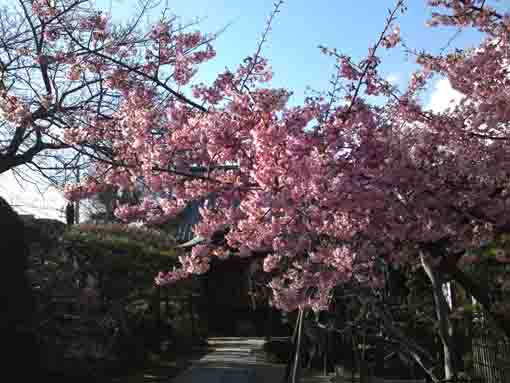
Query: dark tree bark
column 481, row 294
column 443, row 319
column 448, row 268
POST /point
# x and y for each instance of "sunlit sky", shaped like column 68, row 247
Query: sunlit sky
column 351, row 26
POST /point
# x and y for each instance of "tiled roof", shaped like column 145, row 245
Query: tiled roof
column 190, row 216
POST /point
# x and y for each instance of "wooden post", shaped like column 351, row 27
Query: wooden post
column 326, row 349
column 298, row 346
column 354, row 357
column 288, row 367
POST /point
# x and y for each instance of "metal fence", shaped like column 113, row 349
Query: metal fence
column 491, row 359
column 491, row 352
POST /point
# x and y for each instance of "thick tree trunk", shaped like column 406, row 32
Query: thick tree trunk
column 446, row 331
column 479, row 293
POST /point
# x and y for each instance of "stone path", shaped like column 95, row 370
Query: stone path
column 242, row 360
column 233, row 360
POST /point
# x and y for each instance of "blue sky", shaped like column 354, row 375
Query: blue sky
column 351, row 26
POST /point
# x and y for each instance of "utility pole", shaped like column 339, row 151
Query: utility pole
column 77, row 202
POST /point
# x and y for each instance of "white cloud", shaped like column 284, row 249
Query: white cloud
column 43, row 200
column 394, row 78
column 443, row 96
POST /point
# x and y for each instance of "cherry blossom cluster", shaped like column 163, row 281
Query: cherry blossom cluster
column 326, row 188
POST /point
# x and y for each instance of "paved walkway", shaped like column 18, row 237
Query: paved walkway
column 233, row 360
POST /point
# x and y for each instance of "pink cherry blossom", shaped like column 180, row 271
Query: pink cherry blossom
column 316, row 186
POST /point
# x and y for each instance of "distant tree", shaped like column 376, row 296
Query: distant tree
column 66, row 69
column 70, row 213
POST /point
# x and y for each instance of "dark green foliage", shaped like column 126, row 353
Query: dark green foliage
column 15, row 295
column 124, row 259
column 124, row 319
